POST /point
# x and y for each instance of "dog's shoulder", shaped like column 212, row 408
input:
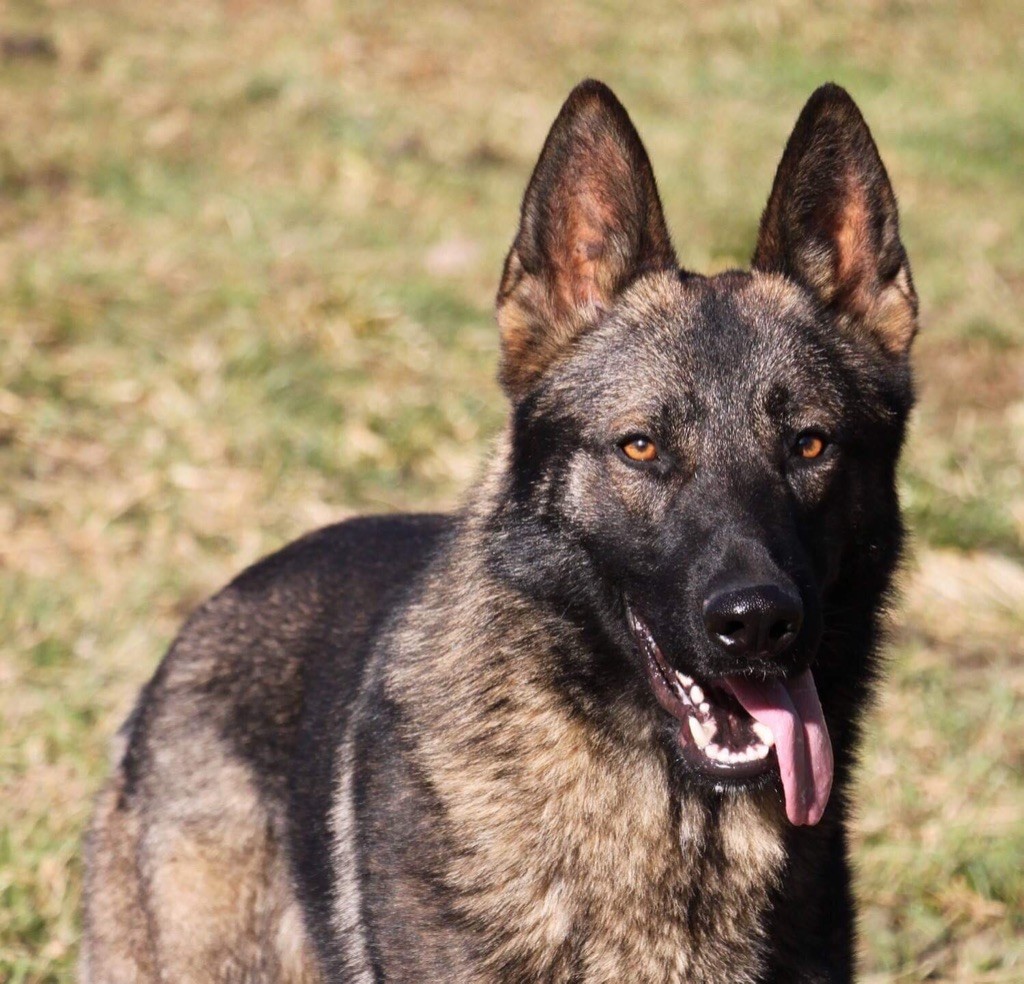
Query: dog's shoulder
column 244, row 660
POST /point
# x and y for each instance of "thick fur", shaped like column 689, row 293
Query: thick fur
column 423, row 748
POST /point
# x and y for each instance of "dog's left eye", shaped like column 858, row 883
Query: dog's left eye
column 810, row 444
column 640, row 448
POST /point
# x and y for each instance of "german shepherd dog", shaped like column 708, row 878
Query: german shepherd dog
column 599, row 724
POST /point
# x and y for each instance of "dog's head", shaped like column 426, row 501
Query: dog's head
column 706, row 464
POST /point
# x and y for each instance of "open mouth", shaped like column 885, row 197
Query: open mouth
column 739, row 727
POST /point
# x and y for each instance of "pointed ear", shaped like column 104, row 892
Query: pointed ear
column 591, row 222
column 831, row 223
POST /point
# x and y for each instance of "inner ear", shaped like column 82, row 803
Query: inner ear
column 591, row 222
column 832, row 224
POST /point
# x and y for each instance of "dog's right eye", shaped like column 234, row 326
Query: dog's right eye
column 640, row 449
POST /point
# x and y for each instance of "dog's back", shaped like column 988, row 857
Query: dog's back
column 186, row 877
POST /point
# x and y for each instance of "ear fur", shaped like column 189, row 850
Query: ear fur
column 591, row 222
column 831, row 223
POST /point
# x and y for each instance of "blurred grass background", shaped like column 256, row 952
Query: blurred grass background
column 247, row 257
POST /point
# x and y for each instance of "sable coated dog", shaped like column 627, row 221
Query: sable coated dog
column 598, row 725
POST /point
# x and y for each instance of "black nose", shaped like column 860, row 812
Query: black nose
column 759, row 619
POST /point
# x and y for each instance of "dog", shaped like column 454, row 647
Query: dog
column 599, row 724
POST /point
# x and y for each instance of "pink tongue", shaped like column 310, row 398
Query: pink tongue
column 791, row 710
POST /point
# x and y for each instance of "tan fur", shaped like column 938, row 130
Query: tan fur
column 893, row 316
column 347, row 919
column 116, row 942
column 199, row 890
column 524, row 305
column 775, row 293
column 889, row 311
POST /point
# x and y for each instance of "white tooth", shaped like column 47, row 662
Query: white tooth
column 724, row 754
column 698, row 732
column 705, row 708
column 764, row 733
column 760, row 751
column 684, row 680
column 712, row 751
column 696, row 695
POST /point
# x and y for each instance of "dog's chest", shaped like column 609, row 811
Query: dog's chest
column 604, row 881
column 690, row 912
column 571, row 859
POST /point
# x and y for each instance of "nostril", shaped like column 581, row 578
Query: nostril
column 734, row 634
column 782, row 634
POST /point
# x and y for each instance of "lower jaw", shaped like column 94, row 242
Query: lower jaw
column 760, row 774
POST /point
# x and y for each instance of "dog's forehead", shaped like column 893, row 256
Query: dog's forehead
column 726, row 336
column 714, row 319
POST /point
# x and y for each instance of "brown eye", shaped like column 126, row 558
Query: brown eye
column 809, row 445
column 640, row 449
